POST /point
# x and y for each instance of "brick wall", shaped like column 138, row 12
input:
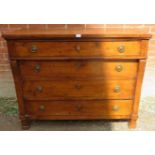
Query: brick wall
column 113, row 28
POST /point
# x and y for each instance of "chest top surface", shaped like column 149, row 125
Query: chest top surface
column 72, row 34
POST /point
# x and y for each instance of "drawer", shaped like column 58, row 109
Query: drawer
column 76, row 49
column 79, row 89
column 83, row 109
column 78, row 69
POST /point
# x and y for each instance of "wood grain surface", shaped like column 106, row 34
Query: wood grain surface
column 77, row 74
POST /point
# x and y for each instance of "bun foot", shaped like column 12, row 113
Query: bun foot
column 25, row 124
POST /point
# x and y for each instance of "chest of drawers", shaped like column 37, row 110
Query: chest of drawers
column 77, row 75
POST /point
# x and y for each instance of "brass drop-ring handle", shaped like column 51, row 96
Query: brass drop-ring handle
column 37, row 68
column 77, row 48
column 42, row 108
column 115, row 108
column 121, row 48
column 39, row 89
column 119, row 68
column 117, row 89
column 34, row 49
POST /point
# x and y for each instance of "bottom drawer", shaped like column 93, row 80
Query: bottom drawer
column 79, row 109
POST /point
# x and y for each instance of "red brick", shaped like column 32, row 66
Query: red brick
column 152, row 42
column 37, row 26
column 3, row 43
column 75, row 26
column 153, row 36
column 18, row 26
column 56, row 26
column 1, row 38
column 114, row 25
column 133, row 25
column 136, row 30
column 151, row 53
column 150, row 25
column 3, row 50
column 95, row 25
column 4, row 61
column 3, row 27
column 150, row 67
column 153, row 29
column 151, row 59
column 1, row 56
column 4, row 56
column 5, row 67
column 151, row 47
column 114, row 30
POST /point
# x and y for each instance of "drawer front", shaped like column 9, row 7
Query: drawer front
column 80, row 108
column 76, row 49
column 78, row 69
column 76, row 89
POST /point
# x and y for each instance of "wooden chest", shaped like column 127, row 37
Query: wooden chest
column 77, row 75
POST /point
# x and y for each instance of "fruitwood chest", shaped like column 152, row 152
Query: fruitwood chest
column 77, row 75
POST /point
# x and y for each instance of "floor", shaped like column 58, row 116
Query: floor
column 9, row 120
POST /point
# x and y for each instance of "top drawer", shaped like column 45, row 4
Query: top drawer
column 76, row 49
